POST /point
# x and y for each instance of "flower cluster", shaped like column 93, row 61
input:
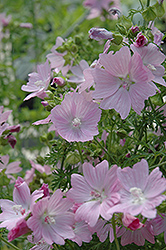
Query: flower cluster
column 104, row 174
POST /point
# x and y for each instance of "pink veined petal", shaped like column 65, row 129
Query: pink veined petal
column 136, row 66
column 159, row 224
column 156, row 185
column 89, row 212
column 63, row 225
column 140, row 173
column 13, row 167
column 120, row 101
column 126, row 238
column 111, row 179
column 63, row 206
column 106, row 84
column 50, row 236
column 35, row 225
column 5, row 160
column 150, row 54
column 21, row 195
column 117, row 64
column 4, row 116
column 54, row 201
column 88, row 80
column 138, row 238
column 149, row 213
column 80, row 191
column 95, row 176
column 139, row 92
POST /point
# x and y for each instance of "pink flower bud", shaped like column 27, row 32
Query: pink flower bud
column 128, row 155
column 122, row 142
column 131, row 222
column 20, row 229
column 45, row 189
column 59, row 80
column 44, row 103
column 140, row 41
column 18, row 183
column 134, row 29
column 11, row 140
column 100, row 33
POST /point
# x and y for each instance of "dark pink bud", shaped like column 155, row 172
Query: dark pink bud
column 131, row 222
column 20, row 229
column 100, row 33
column 128, row 155
column 44, row 103
column 141, row 40
column 59, row 80
column 45, row 189
column 11, row 140
column 134, row 29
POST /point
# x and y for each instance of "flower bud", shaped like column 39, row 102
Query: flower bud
column 131, row 222
column 59, row 81
column 140, row 41
column 114, row 11
column 100, row 33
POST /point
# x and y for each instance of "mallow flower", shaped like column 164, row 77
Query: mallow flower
column 141, row 192
column 18, row 209
column 152, row 58
column 97, row 190
column 38, row 81
column 76, row 118
column 123, row 83
column 51, row 219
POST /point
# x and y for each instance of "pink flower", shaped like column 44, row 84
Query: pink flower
column 131, row 222
column 12, row 167
column 38, row 82
column 141, row 193
column 20, row 229
column 124, row 82
column 138, row 236
column 152, row 59
column 20, row 207
column 56, row 59
column 51, row 220
column 96, row 7
column 83, row 76
column 97, row 190
column 140, row 41
column 76, row 118
column 5, row 20
column 159, row 225
column 3, row 118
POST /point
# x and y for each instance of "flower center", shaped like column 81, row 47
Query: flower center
column 137, row 195
column 49, row 220
column 39, row 83
column 76, row 122
column 97, row 195
column 126, row 82
column 18, row 209
column 151, row 67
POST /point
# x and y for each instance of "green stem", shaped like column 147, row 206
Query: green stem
column 157, row 165
column 141, row 4
column 103, row 148
column 69, row 243
column 148, row 3
column 8, row 243
column 114, row 230
column 157, row 120
column 80, row 152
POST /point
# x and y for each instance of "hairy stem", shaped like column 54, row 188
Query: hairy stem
column 114, row 230
column 8, row 243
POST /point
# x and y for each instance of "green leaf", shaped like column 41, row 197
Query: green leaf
column 149, row 14
column 158, row 9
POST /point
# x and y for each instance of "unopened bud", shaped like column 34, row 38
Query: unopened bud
column 100, row 33
column 59, row 80
column 114, row 11
column 140, row 41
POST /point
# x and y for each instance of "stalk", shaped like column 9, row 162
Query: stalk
column 9, row 243
column 114, row 230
